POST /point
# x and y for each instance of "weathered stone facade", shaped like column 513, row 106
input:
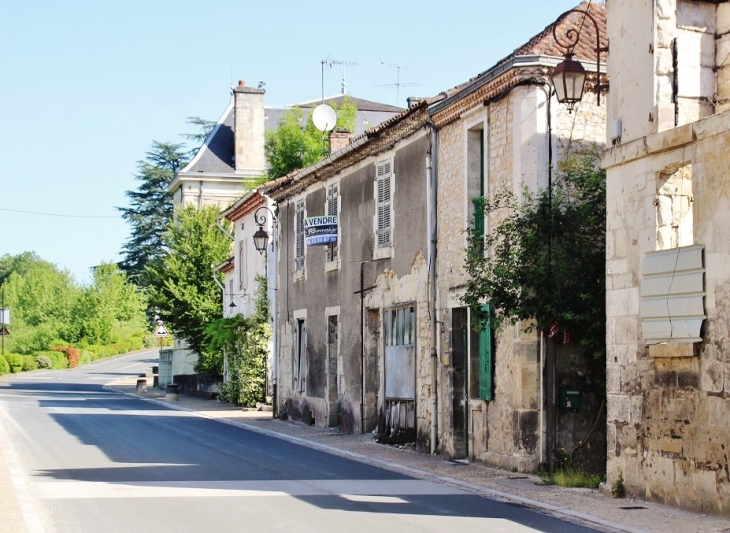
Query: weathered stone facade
column 506, row 431
column 668, row 424
column 668, row 403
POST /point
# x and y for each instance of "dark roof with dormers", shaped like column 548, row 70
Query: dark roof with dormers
column 216, row 154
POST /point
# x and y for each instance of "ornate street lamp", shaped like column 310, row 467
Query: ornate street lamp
column 260, row 242
column 261, row 237
column 569, row 76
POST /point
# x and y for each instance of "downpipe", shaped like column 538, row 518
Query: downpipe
column 431, row 221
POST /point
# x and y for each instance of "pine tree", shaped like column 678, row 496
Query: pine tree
column 150, row 208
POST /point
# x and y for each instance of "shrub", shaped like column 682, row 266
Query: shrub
column 29, row 363
column 71, row 353
column 43, row 361
column 15, row 362
column 4, row 366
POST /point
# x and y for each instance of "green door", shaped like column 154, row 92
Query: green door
column 486, row 360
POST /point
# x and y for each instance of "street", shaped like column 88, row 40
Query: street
column 93, row 460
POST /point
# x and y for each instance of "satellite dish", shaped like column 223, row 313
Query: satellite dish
column 324, row 117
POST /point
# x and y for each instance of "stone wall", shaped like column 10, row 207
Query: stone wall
column 668, row 422
column 504, row 432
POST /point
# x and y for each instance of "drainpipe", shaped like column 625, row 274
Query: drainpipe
column 218, row 222
column 431, row 178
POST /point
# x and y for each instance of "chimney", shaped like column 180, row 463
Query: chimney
column 339, row 138
column 414, row 100
column 249, row 128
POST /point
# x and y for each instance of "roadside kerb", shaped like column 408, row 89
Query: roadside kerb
column 504, row 497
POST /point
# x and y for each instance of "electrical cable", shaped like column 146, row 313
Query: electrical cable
column 56, row 214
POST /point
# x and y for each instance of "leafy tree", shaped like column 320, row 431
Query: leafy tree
column 293, row 146
column 107, row 307
column 245, row 342
column 545, row 261
column 150, row 207
column 181, row 283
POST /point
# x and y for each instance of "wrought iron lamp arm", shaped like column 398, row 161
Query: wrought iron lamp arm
column 572, row 39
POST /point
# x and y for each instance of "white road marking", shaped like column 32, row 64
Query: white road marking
column 349, row 489
column 27, row 505
column 130, row 366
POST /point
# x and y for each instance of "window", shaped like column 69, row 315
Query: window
column 673, row 203
column 242, row 265
column 299, row 236
column 384, row 177
column 400, row 326
column 332, row 209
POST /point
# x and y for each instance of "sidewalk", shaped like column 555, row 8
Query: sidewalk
column 603, row 511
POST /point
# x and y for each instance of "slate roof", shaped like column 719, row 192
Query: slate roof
column 216, row 154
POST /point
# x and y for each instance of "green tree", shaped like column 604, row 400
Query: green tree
column 41, row 298
column 293, row 146
column 181, row 283
column 107, row 309
column 545, row 261
column 150, row 208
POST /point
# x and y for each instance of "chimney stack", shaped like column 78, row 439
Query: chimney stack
column 339, row 138
column 249, row 129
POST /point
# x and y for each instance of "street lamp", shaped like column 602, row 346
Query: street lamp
column 261, row 237
column 260, row 242
column 569, row 76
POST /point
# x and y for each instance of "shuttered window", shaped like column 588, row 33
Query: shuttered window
column 385, row 178
column 486, row 361
column 332, row 209
column 299, row 236
column 478, row 225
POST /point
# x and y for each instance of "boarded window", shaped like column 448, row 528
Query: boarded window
column 332, row 209
column 299, row 236
column 384, row 178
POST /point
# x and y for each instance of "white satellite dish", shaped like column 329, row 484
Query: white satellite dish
column 324, row 117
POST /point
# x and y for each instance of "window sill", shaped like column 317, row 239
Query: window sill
column 300, row 274
column 383, row 253
column 332, row 266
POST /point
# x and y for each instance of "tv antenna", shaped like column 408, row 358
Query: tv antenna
column 330, row 63
column 397, row 83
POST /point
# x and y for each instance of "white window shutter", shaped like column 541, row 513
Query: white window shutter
column 384, row 177
column 332, row 202
column 299, row 226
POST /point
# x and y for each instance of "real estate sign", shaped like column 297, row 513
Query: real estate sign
column 319, row 231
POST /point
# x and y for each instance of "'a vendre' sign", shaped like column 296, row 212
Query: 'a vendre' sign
column 319, row 231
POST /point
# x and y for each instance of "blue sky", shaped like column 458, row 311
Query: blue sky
column 85, row 86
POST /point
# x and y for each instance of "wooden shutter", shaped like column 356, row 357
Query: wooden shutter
column 486, row 361
column 384, row 176
column 332, row 201
column 479, row 225
column 299, row 227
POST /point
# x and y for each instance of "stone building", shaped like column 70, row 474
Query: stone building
column 668, row 251
column 354, row 326
column 503, row 130
column 232, row 159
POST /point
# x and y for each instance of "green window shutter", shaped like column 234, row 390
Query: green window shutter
column 486, row 361
column 479, row 224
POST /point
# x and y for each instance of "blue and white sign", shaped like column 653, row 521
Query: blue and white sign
column 319, row 231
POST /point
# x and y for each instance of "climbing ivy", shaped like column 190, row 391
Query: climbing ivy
column 245, row 342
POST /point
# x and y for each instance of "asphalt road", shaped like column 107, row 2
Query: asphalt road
column 90, row 460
